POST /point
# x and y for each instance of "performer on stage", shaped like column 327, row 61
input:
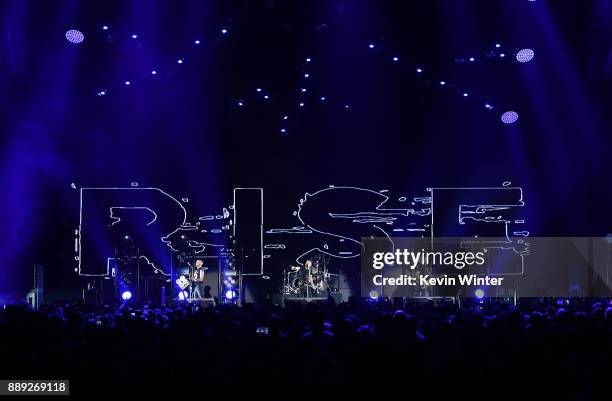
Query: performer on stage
column 198, row 280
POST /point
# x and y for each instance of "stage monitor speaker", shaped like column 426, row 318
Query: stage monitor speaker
column 248, row 229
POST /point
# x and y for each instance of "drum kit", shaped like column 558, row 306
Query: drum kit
column 312, row 279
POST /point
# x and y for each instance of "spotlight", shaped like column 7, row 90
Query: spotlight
column 301, row 104
column 102, row 93
column 153, row 72
column 509, row 117
column 419, row 70
column 396, row 59
column 230, row 294
column 373, row 294
column 127, row 83
column 488, row 106
column 308, row 59
column 196, row 42
column 303, row 90
column 183, row 236
column 74, row 36
column 134, row 36
column 472, row 59
column 224, row 31
column 126, row 237
column 183, row 295
column 126, row 295
column 442, row 83
column 371, row 45
column 465, row 94
column 497, row 45
column 283, row 131
column 240, row 103
column 502, row 55
column 524, row 55
column 285, row 117
column 180, row 61
column 306, row 75
column 479, row 293
column 266, row 97
column 105, row 28
column 258, row 89
column 323, row 98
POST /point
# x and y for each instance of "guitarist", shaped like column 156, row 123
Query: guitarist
column 198, row 280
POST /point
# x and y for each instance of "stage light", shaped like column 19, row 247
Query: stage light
column 472, row 59
column 196, row 42
column 266, row 97
column 509, row 117
column 479, row 293
column 323, row 98
column 419, row 70
column 488, row 106
column 442, row 83
column 465, row 94
column 497, row 45
column 180, row 61
column 301, row 104
column 134, row 36
column 306, row 75
column 183, row 236
column 126, row 237
column 127, row 83
column 308, row 59
column 524, row 55
column 502, row 55
column 230, row 294
column 285, row 117
column 303, row 90
column 258, row 89
column 126, row 295
column 373, row 294
column 371, row 45
column 74, row 36
column 102, row 93
column 183, row 295
column 240, row 103
column 105, row 28
column 224, row 31
column 283, row 131
column 395, row 59
column 153, row 72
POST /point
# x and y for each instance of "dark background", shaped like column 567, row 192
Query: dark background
column 182, row 130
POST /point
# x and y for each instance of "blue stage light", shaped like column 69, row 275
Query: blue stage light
column 479, row 293
column 502, row 55
column 465, row 94
column 306, row 75
column 395, row 59
column 419, row 70
column 183, row 295
column 258, row 89
column 75, row 36
column 524, row 55
column 134, row 36
column 308, row 59
column 509, row 117
column 102, row 93
column 442, row 83
column 371, row 45
column 180, row 61
column 303, row 90
column 196, row 42
column 230, row 294
column 126, row 295
column 283, row 131
column 472, row 59
column 153, row 72
column 266, row 97
column 323, row 98
column 224, row 31
column 105, row 28
column 497, row 45
column 127, row 83
column 301, row 104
